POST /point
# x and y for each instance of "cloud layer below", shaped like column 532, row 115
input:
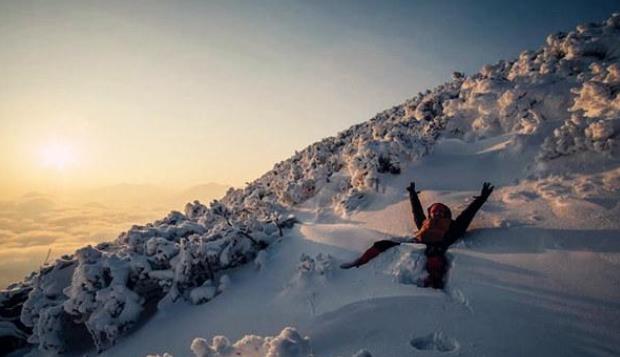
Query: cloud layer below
column 37, row 226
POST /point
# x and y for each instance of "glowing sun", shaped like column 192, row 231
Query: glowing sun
column 57, row 155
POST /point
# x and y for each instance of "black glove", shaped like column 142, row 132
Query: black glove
column 411, row 188
column 487, row 188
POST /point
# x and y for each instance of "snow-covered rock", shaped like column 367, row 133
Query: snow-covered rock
column 289, row 343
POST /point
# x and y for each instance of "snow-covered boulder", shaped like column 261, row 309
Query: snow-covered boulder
column 289, row 343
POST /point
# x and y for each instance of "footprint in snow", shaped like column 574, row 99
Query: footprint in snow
column 436, row 341
column 459, row 297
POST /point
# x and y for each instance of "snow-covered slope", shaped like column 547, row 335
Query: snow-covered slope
column 537, row 273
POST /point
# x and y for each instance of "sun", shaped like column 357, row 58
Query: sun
column 57, row 155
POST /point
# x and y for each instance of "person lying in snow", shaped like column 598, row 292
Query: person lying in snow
column 437, row 232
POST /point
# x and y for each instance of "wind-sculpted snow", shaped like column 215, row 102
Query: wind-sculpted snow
column 556, row 102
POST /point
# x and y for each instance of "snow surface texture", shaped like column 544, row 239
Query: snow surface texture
column 543, row 128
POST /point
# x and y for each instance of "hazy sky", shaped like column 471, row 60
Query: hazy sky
column 96, row 93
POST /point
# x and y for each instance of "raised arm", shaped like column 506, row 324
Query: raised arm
column 416, row 206
column 464, row 219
